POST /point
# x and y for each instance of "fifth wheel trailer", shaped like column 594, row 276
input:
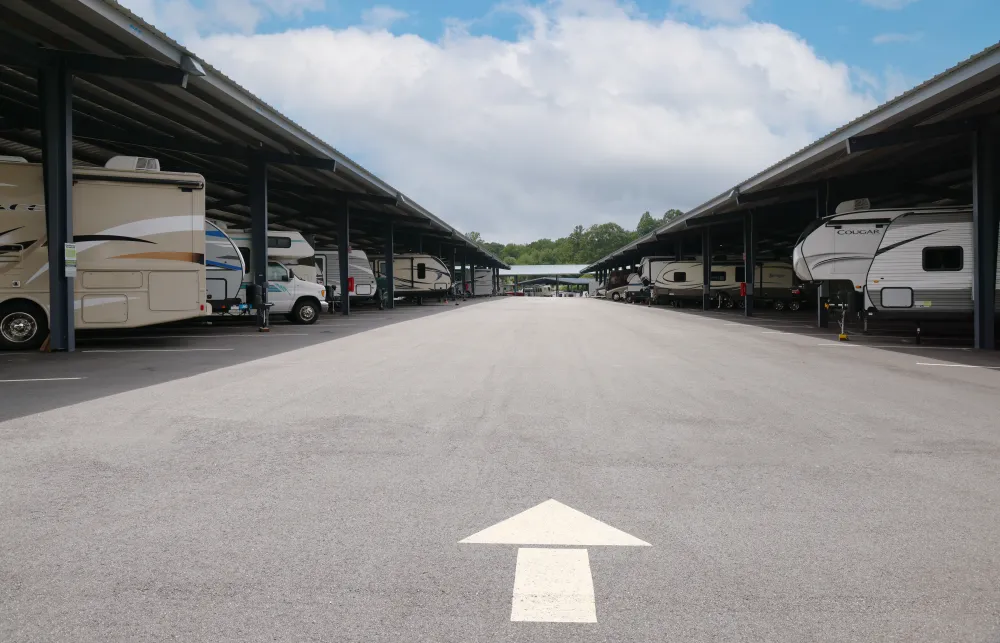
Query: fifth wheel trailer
column 903, row 264
column 140, row 243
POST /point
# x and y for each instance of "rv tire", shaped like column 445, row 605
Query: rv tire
column 306, row 311
column 794, row 306
column 616, row 296
column 23, row 325
column 779, row 305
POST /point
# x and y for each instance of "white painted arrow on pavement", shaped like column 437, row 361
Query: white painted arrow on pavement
column 553, row 585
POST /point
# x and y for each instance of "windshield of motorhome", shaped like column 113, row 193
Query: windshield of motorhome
column 569, row 321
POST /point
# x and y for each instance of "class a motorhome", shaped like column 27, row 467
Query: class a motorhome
column 291, row 274
column 224, row 269
column 418, row 275
column 921, row 266
column 140, row 245
column 358, row 267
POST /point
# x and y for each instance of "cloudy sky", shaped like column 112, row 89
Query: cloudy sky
column 520, row 119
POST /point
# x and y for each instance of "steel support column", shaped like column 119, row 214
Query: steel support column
column 985, row 204
column 257, row 184
column 822, row 292
column 390, row 287
column 749, row 263
column 343, row 256
column 463, row 273
column 678, row 249
column 706, row 268
column 56, row 93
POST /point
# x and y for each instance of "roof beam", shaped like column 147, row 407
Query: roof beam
column 17, row 52
column 891, row 138
column 343, row 196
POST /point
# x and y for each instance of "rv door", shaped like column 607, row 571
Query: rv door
column 320, row 269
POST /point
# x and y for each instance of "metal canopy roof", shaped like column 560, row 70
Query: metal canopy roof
column 542, row 270
column 934, row 165
column 211, row 126
column 552, row 281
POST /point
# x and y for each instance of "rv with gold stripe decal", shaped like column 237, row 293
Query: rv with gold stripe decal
column 140, row 240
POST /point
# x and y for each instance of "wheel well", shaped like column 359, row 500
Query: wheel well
column 309, row 298
column 30, row 302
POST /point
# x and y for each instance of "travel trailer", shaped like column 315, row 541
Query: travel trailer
column 682, row 281
column 417, row 276
column 224, row 269
column 291, row 274
column 140, row 245
column 358, row 267
column 484, row 282
column 920, row 268
column 773, row 283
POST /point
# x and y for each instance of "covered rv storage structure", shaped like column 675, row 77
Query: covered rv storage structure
column 937, row 143
column 82, row 81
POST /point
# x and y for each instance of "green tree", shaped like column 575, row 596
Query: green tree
column 474, row 236
column 671, row 214
column 647, row 224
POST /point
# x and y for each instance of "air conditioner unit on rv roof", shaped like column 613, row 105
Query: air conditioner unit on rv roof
column 133, row 163
column 853, row 206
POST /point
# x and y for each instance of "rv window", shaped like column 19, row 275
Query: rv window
column 741, row 274
column 680, row 276
column 279, row 242
column 718, row 276
column 246, row 257
column 943, row 258
column 421, row 271
column 276, row 272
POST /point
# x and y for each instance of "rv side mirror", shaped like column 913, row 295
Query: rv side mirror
column 284, row 277
column 291, row 275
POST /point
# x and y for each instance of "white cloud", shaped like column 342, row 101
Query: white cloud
column 891, row 5
column 589, row 115
column 724, row 10
column 890, row 38
column 184, row 19
column 382, row 17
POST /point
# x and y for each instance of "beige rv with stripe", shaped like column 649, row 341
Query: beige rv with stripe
column 140, row 239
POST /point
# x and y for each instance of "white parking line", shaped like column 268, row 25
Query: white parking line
column 844, row 344
column 44, row 379
column 956, row 365
column 152, row 350
column 126, row 338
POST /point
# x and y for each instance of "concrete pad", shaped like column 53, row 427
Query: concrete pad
column 789, row 492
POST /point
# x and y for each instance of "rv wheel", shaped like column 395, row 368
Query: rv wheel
column 615, row 296
column 794, row 305
column 305, row 312
column 23, row 326
column 779, row 305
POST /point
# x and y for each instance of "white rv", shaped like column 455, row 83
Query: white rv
column 358, row 268
column 224, row 269
column 292, row 289
column 484, row 282
column 919, row 261
column 140, row 244
column 680, row 281
column 417, row 276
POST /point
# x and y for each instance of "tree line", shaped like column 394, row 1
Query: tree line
column 583, row 245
